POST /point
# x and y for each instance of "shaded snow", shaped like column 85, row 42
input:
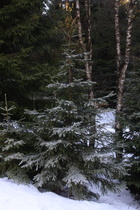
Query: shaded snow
column 21, row 197
column 106, row 118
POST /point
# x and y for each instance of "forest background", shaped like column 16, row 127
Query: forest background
column 53, row 62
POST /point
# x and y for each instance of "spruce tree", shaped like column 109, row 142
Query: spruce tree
column 69, row 155
column 132, row 128
column 12, row 146
column 28, row 45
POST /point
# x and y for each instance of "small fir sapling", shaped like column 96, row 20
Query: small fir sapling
column 11, row 146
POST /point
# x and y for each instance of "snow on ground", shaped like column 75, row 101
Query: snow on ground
column 23, row 197
column 106, row 118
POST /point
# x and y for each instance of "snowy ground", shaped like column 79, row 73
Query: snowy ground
column 21, row 197
column 106, row 118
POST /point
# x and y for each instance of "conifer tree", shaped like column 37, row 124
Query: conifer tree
column 28, row 44
column 66, row 159
column 131, row 131
column 11, row 146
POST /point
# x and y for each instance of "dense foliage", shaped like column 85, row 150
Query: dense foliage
column 132, row 128
column 58, row 144
column 28, row 44
column 68, row 154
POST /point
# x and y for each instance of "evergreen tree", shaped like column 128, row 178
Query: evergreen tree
column 11, row 146
column 132, row 129
column 129, row 104
column 59, row 149
column 28, row 45
column 69, row 156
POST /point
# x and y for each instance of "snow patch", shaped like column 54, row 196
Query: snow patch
column 23, row 197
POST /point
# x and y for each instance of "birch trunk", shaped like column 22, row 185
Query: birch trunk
column 89, row 43
column 86, row 48
column 79, row 26
column 86, row 51
column 117, row 34
column 122, row 65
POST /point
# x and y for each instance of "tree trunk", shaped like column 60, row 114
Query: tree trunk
column 89, row 44
column 122, row 65
column 79, row 26
column 86, row 51
column 117, row 34
column 86, row 48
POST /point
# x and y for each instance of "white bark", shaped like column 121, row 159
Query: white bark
column 86, row 48
column 117, row 34
column 79, row 25
column 122, row 65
